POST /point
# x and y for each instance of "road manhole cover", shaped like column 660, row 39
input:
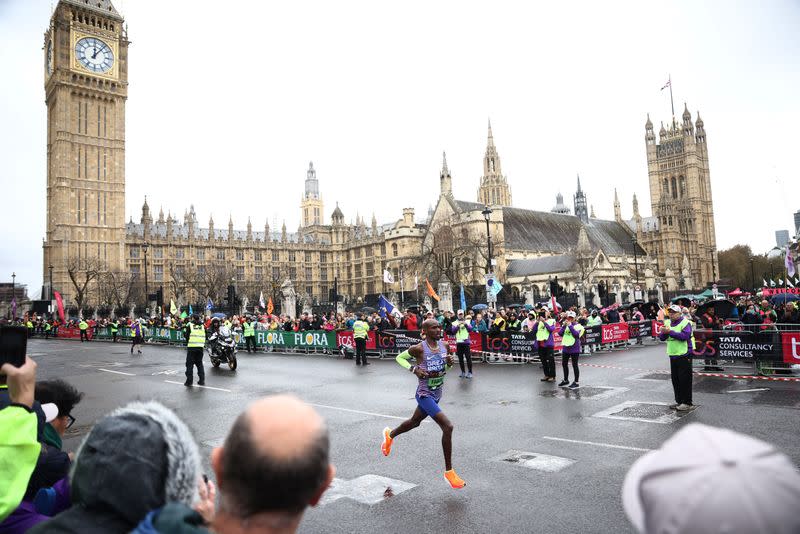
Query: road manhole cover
column 646, row 412
column 534, row 460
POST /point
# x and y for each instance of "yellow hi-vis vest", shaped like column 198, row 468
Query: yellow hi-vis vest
column 197, row 336
column 676, row 347
column 541, row 332
column 360, row 329
column 83, row 325
column 249, row 329
column 568, row 340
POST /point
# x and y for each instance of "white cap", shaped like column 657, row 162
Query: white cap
column 459, row 311
column 675, row 308
column 571, row 314
column 50, row 411
column 707, row 479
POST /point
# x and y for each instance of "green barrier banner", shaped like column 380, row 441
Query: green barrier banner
column 313, row 339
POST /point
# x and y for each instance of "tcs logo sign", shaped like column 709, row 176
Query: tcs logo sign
column 791, row 347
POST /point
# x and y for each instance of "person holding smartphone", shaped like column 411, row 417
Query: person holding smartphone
column 461, row 329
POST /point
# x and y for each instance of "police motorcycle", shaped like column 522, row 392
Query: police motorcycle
column 222, row 348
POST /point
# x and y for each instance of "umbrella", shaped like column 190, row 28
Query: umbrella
column 736, row 293
column 684, row 300
column 783, row 298
column 707, row 294
column 638, row 303
column 368, row 309
column 479, row 307
column 722, row 308
column 218, row 315
column 514, row 306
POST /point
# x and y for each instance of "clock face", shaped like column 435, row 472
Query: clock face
column 94, row 54
column 49, row 58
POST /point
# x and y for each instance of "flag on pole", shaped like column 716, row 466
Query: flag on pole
column 494, row 285
column 59, row 305
column 209, row 304
column 383, row 302
column 789, row 283
column 668, row 84
column 261, row 303
column 431, row 292
column 765, row 282
column 789, row 262
column 553, row 305
column 270, row 307
column 184, row 315
column 190, row 310
column 388, row 277
column 463, row 299
column 416, row 283
column 780, row 282
column 772, row 283
column 172, row 308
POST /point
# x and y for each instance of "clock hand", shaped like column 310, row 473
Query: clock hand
column 94, row 56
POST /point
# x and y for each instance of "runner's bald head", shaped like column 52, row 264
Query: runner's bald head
column 427, row 324
column 275, row 458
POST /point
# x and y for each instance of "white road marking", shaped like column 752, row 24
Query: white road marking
column 362, row 413
column 199, row 386
column 747, row 390
column 609, row 445
column 116, row 372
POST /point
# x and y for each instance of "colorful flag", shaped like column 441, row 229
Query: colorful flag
column 765, row 282
column 172, row 308
column 772, row 283
column 190, row 310
column 184, row 315
column 387, row 277
column 789, row 262
column 416, row 283
column 270, row 307
column 209, row 304
column 59, row 304
column 261, row 301
column 789, row 283
column 431, row 292
column 463, row 299
column 780, row 282
column 668, row 84
column 494, row 285
column 383, row 302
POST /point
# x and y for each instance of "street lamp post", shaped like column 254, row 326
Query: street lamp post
column 752, row 275
column 51, row 281
column 635, row 258
column 145, row 246
column 13, row 292
column 713, row 268
column 487, row 213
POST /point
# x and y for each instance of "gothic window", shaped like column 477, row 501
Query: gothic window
column 259, row 273
column 134, row 252
column 394, row 250
column 309, row 273
column 220, row 254
column 383, row 249
column 293, row 273
column 201, row 270
column 683, row 186
column 674, row 188
column 179, row 253
column 201, row 254
column 158, row 273
column 308, row 257
column 665, row 186
column 369, row 269
column 158, row 252
column 515, row 293
column 257, row 254
column 292, row 256
column 670, row 220
column 240, row 255
column 323, row 274
column 275, row 255
column 240, row 274
column 276, row 273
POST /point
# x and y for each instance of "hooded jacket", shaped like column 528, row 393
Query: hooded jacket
column 133, row 461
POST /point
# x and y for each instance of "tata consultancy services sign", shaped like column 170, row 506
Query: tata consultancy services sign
column 791, row 347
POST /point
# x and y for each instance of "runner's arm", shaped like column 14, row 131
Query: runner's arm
column 404, row 359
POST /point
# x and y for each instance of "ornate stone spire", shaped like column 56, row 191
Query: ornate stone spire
column 445, row 180
column 494, row 188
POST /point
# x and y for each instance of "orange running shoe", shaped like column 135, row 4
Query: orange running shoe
column 386, row 446
column 454, row 480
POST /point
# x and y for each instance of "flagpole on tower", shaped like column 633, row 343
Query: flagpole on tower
column 671, row 102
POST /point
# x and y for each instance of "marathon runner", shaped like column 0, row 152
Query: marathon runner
column 432, row 361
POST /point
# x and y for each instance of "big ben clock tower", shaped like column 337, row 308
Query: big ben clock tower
column 86, row 85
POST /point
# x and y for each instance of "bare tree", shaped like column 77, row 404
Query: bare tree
column 118, row 289
column 82, row 272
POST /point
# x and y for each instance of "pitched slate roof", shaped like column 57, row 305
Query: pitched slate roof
column 546, row 265
column 558, row 233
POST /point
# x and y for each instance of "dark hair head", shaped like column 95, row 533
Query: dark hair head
column 254, row 482
column 60, row 393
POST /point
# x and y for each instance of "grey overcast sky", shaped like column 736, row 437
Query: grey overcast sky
column 229, row 101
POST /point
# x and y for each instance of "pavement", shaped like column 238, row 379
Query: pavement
column 536, row 458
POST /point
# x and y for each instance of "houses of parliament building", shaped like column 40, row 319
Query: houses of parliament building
column 88, row 240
